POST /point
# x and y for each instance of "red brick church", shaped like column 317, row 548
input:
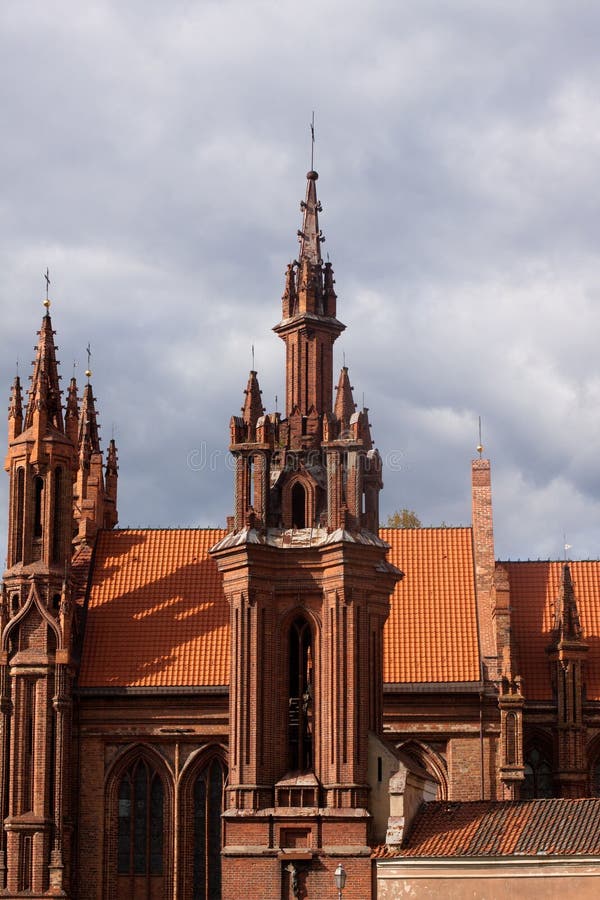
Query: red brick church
column 301, row 698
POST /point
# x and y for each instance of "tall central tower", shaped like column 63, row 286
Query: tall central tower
column 308, row 584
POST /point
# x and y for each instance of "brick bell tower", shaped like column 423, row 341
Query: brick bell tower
column 38, row 623
column 308, row 584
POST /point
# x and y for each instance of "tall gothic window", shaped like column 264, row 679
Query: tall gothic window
column 301, row 718
column 57, row 516
column 208, row 806
column 38, row 488
column 18, row 555
column 140, row 839
column 539, row 781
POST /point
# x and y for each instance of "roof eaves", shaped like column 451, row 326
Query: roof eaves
column 109, row 691
column 434, row 687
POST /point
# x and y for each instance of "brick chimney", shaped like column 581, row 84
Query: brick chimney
column 483, row 551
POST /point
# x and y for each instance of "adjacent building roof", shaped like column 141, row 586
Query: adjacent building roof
column 534, row 590
column 157, row 616
column 507, row 828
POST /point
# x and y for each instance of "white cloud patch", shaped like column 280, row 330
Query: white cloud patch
column 154, row 156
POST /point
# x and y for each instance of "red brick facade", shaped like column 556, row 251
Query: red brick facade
column 179, row 723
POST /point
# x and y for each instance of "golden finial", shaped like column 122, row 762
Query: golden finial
column 480, row 445
column 47, row 303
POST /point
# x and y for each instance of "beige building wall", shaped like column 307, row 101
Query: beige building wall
column 488, row 879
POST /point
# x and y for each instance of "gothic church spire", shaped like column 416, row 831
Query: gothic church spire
column 44, row 391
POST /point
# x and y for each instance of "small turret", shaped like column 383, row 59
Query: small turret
column 111, row 516
column 72, row 413
column 344, row 401
column 252, row 409
column 567, row 626
column 290, row 294
column 88, row 438
column 15, row 410
column 89, row 490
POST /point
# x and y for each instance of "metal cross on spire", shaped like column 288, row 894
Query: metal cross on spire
column 47, row 280
column 88, row 371
column 312, row 143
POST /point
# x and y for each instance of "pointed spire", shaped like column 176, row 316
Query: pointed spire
column 111, row 516
column 89, row 440
column 15, row 410
column 344, row 401
column 252, row 409
column 44, row 391
column 567, row 625
column 310, row 236
column 72, row 413
column 112, row 459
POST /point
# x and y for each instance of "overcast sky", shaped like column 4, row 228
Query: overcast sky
column 153, row 156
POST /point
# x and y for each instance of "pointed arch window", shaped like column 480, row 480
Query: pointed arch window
column 140, row 826
column 511, row 739
column 298, row 506
column 57, row 516
column 539, row 780
column 208, row 806
column 38, row 492
column 20, row 515
column 301, row 691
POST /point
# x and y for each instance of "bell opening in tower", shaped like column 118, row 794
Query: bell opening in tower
column 301, row 699
column 38, row 487
column 298, row 506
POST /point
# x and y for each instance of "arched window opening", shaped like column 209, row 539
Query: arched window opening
column 539, row 781
column 13, row 643
column 20, row 512
column 298, row 506
column 301, row 690
column 140, row 835
column 250, row 482
column 38, row 487
column 14, row 604
column 57, row 516
column 208, row 806
column 511, row 739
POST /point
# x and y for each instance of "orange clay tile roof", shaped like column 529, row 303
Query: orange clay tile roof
column 506, row 828
column 534, row 589
column 431, row 634
column 157, row 616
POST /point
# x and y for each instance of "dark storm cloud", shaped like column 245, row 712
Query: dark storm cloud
column 154, row 156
